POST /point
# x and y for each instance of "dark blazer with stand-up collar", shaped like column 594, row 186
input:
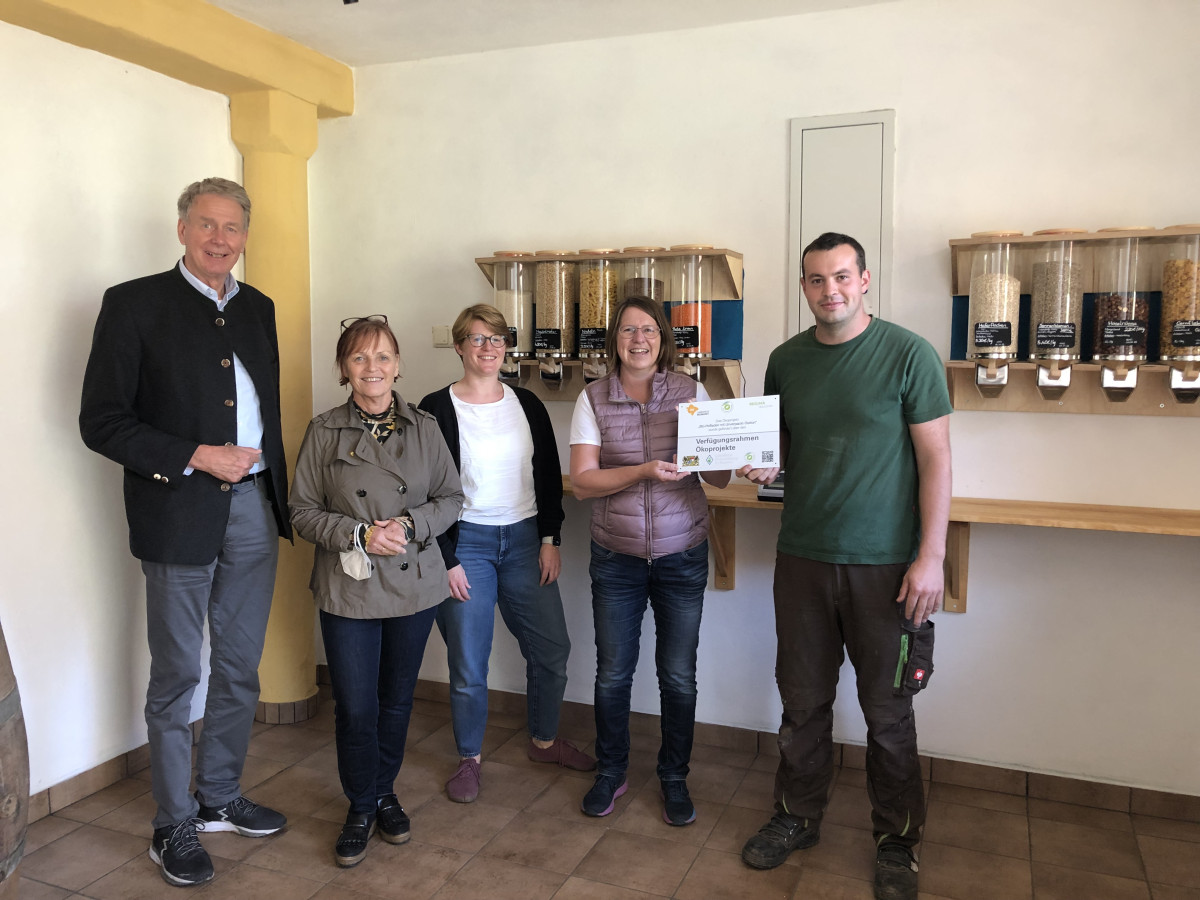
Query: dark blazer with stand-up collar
column 160, row 382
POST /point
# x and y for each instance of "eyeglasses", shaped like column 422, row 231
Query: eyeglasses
column 496, row 340
column 378, row 317
column 649, row 332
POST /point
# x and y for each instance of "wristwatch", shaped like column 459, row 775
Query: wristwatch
column 553, row 539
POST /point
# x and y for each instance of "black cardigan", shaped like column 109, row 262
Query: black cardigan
column 547, row 474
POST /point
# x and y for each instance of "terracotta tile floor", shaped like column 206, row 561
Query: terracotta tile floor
column 526, row 839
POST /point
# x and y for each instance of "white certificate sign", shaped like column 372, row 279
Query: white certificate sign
column 729, row 434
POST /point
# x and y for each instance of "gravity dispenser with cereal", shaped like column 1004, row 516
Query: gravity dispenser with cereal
column 554, row 313
column 1056, row 310
column 1122, row 313
column 599, row 294
column 512, row 294
column 994, row 308
column 1179, row 331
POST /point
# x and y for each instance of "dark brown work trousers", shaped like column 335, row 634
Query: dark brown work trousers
column 819, row 609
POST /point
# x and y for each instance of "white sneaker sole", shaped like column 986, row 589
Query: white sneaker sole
column 171, row 879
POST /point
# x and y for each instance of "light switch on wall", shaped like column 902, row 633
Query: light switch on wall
column 441, row 336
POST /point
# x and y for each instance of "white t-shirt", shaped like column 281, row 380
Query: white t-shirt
column 584, row 427
column 495, row 448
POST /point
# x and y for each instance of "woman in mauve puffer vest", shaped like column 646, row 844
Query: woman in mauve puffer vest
column 649, row 544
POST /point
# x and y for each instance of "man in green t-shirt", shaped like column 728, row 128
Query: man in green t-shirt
column 866, row 443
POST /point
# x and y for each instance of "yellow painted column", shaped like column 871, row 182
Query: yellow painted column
column 276, row 134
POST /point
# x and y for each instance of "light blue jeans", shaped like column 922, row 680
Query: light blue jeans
column 501, row 564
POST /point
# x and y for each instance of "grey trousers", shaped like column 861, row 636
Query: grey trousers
column 234, row 590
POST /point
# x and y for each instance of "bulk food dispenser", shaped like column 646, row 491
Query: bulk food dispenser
column 554, row 314
column 994, row 310
column 645, row 274
column 1056, row 310
column 1122, row 312
column 1179, row 331
column 599, row 294
column 512, row 294
column 690, row 303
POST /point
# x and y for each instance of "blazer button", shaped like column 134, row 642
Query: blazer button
column 225, row 364
column 229, row 443
column 403, row 567
column 229, row 403
column 361, row 493
column 220, row 321
column 157, row 477
column 351, row 452
column 165, row 479
column 403, row 489
column 225, row 486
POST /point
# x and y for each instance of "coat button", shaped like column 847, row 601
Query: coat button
column 220, row 321
column 352, row 453
column 165, row 479
column 229, row 403
column 225, row 485
column 403, row 489
column 229, row 443
column 403, row 567
column 157, row 477
column 361, row 493
column 225, row 364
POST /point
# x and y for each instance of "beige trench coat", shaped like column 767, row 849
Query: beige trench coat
column 345, row 477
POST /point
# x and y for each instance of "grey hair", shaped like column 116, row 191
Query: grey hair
column 221, row 187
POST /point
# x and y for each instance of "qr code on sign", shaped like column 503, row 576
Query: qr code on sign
column 768, row 456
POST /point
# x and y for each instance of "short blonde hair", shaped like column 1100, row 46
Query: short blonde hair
column 485, row 313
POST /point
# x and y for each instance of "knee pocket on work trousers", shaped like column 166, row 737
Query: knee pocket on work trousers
column 914, row 666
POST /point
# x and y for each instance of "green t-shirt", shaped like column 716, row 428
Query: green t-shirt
column 851, row 494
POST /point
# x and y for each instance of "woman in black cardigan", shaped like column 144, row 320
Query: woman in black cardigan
column 503, row 551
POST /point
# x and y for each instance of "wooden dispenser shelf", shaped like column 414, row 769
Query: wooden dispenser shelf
column 964, row 511
column 1151, row 397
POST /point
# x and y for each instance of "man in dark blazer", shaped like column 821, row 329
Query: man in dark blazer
column 182, row 390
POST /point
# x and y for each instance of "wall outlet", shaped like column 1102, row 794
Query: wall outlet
column 441, row 336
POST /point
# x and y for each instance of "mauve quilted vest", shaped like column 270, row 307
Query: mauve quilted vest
column 651, row 518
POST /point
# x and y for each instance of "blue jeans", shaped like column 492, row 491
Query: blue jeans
column 373, row 664
column 501, row 564
column 674, row 586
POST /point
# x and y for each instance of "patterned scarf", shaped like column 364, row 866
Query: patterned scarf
column 383, row 425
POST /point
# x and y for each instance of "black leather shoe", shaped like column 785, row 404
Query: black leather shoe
column 351, row 844
column 392, row 820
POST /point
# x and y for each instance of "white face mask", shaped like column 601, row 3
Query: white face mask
column 355, row 562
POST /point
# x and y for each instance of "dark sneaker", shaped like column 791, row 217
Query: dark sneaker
column 562, row 753
column 895, row 873
column 392, row 820
column 177, row 850
column 463, row 786
column 242, row 815
column 779, row 837
column 601, row 799
column 677, row 803
column 351, row 844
